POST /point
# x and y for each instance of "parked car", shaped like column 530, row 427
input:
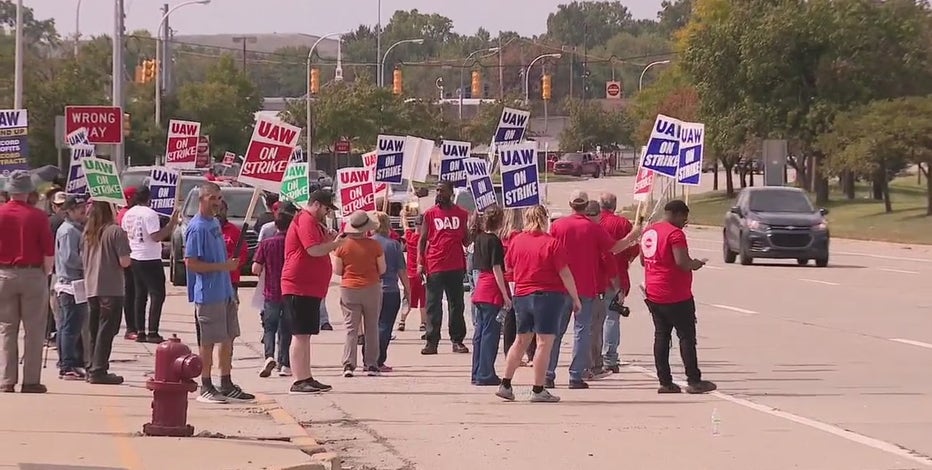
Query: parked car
column 776, row 223
column 320, row 177
column 237, row 199
column 578, row 164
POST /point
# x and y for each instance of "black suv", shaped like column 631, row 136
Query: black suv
column 778, row 223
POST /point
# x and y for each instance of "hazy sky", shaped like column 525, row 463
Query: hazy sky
column 315, row 17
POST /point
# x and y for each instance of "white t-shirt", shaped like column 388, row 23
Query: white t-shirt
column 268, row 230
column 139, row 223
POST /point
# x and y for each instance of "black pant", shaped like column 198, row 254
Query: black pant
column 150, row 285
column 682, row 317
column 451, row 284
column 129, row 293
column 104, row 325
column 510, row 332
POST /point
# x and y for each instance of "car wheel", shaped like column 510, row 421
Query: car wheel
column 179, row 276
column 821, row 262
column 730, row 256
column 802, row 261
column 746, row 259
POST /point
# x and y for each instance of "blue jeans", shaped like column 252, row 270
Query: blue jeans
column 582, row 353
column 69, row 332
column 275, row 324
column 324, row 316
column 391, row 304
column 485, row 340
column 611, row 333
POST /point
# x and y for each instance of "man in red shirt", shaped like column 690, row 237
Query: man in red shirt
column 26, row 258
column 231, row 234
column 617, row 227
column 588, row 242
column 306, row 278
column 442, row 259
column 668, row 280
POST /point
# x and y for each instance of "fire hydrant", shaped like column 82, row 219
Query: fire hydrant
column 175, row 366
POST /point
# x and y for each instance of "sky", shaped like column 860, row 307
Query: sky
column 314, row 17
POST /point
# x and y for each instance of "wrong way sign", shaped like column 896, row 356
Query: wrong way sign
column 104, row 124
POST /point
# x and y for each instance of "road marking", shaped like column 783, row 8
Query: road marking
column 913, row 343
column 703, row 249
column 870, row 255
column 128, row 455
column 821, row 282
column 717, row 268
column 734, row 309
column 852, row 436
column 901, row 271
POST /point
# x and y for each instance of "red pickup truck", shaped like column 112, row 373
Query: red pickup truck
column 578, row 164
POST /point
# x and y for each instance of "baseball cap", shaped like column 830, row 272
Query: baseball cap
column 72, row 201
column 19, row 182
column 59, row 198
column 323, row 197
column 579, row 197
column 129, row 193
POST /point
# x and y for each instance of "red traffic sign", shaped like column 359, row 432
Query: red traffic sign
column 104, row 124
column 342, row 146
column 613, row 90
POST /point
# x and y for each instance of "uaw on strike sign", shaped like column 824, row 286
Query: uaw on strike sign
column 181, row 148
column 520, row 186
column 452, row 154
column 389, row 159
column 675, row 150
column 267, row 156
column 356, row 190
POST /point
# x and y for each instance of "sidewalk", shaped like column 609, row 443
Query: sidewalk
column 82, row 426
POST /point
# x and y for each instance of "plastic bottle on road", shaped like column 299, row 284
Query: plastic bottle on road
column 716, row 423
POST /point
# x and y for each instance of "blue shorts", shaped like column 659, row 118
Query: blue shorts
column 540, row 312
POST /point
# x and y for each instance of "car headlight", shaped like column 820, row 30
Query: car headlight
column 821, row 226
column 756, row 225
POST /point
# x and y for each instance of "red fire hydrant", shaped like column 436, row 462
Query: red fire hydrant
column 175, row 366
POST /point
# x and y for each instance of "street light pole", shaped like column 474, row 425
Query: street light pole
column 641, row 80
column 18, row 61
column 158, row 64
column 307, row 100
column 463, row 71
column 378, row 48
column 77, row 27
column 527, row 75
column 385, row 56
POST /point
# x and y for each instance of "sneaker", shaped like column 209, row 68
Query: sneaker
column 237, row 395
column 72, row 374
column 130, row 335
column 578, row 385
column 505, row 393
column 703, row 386
column 543, row 397
column 599, row 373
column 326, row 327
column 33, row 388
column 267, row 368
column 495, row 381
column 320, row 386
column 384, row 368
column 285, row 371
column 613, row 369
column 669, row 388
column 141, row 337
column 302, row 387
column 373, row 371
column 401, row 326
column 429, row 350
column 460, row 348
column 347, row 371
column 104, row 379
column 154, row 338
column 549, row 384
column 423, row 327
column 211, row 396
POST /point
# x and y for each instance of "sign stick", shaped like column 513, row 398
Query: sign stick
column 686, row 195
column 546, row 171
column 249, row 212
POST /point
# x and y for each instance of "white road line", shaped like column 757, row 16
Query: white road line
column 901, row 271
column 913, row 343
column 716, row 268
column 702, row 249
column 852, row 436
column 870, row 255
column 827, row 283
column 734, row 309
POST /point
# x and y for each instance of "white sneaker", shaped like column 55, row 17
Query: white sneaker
column 267, row 368
column 285, row 371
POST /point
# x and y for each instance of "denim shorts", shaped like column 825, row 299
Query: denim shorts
column 540, row 312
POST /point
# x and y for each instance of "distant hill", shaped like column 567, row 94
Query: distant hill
column 264, row 42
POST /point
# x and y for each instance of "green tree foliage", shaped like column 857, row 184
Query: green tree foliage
column 588, row 23
column 591, row 126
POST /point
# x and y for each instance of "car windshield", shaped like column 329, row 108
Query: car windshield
column 237, row 202
column 134, row 179
column 572, row 157
column 779, row 201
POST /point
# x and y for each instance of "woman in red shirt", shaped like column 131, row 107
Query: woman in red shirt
column 512, row 223
column 543, row 289
column 418, row 294
column 489, row 297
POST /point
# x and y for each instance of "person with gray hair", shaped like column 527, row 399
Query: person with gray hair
column 26, row 258
column 618, row 227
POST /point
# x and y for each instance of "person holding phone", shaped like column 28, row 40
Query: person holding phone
column 668, row 279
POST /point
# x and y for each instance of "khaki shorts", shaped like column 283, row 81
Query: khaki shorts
column 217, row 322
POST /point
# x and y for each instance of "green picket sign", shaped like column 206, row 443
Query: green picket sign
column 103, row 182
column 295, row 184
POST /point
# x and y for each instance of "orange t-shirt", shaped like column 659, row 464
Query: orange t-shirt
column 360, row 265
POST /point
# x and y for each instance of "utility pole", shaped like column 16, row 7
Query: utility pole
column 166, row 61
column 501, row 69
column 244, row 40
column 117, row 91
column 18, row 61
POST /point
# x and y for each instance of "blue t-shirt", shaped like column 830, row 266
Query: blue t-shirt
column 203, row 240
column 394, row 263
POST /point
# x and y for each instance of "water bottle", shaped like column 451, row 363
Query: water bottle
column 501, row 316
column 716, row 422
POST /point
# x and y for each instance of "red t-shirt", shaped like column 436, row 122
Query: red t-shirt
column 608, row 270
column 588, row 242
column 664, row 281
column 506, row 242
column 231, row 234
column 303, row 274
column 26, row 238
column 411, row 240
column 619, row 227
column 535, row 260
column 446, row 231
column 119, row 215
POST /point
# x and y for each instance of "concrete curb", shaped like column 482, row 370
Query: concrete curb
column 300, row 438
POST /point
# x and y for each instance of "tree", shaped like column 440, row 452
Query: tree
column 588, row 23
column 591, row 126
column 674, row 15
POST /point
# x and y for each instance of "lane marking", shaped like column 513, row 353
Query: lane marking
column 852, row 436
column 128, row 455
column 734, row 309
column 913, row 343
column 717, row 268
column 827, row 283
column 871, row 255
column 703, row 249
column 901, row 271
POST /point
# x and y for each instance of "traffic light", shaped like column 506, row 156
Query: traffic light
column 476, row 83
column 315, row 81
column 396, row 82
column 148, row 70
column 127, row 125
column 545, row 87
